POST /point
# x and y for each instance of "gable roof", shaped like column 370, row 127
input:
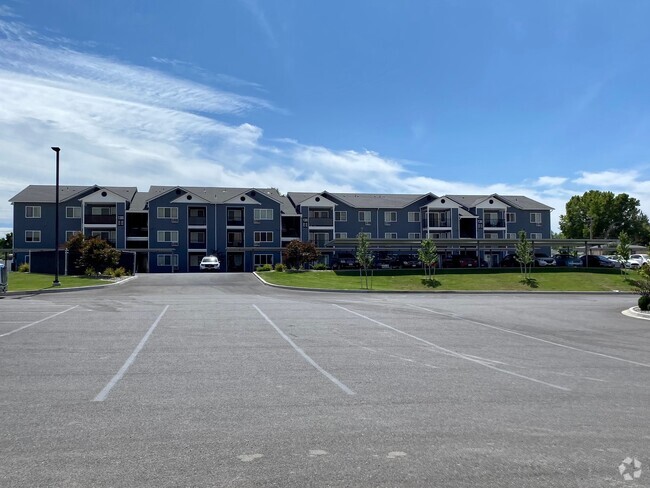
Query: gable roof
column 47, row 193
column 516, row 201
column 364, row 200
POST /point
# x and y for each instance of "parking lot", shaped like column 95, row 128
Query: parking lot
column 218, row 380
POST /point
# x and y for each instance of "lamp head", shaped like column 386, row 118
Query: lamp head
column 56, row 149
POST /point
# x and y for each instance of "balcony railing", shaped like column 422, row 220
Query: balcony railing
column 319, row 242
column 235, row 222
column 100, row 219
column 329, row 222
column 197, row 221
column 235, row 243
column 494, row 223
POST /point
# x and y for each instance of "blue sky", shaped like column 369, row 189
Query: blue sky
column 547, row 99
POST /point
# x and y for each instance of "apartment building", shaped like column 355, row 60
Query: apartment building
column 170, row 228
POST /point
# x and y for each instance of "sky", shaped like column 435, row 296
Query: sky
column 545, row 99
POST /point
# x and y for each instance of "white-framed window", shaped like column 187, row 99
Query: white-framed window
column 511, row 217
column 319, row 214
column 32, row 236
column 390, row 235
column 438, row 235
column 414, row 235
column 263, row 214
column 72, row 212
column 535, row 235
column 263, row 236
column 262, row 259
column 167, row 236
column 535, row 218
column 414, row 216
column 32, row 212
column 365, row 216
column 168, row 213
column 491, row 235
column 105, row 210
column 340, row 235
column 168, row 260
column 341, row 216
column 367, row 234
column 390, row 217
column 512, row 235
column 106, row 235
column 197, row 237
column 69, row 234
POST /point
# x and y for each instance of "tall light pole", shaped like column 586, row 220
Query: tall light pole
column 56, row 222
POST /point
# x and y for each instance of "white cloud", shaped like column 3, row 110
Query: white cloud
column 550, row 181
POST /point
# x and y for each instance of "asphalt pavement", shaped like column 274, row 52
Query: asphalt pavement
column 215, row 380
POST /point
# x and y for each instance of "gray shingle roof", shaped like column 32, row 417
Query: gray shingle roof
column 47, row 193
column 516, row 201
column 363, row 200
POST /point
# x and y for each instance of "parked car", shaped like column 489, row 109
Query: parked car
column 593, row 261
column 345, row 261
column 460, row 261
column 405, row 261
column 618, row 263
column 637, row 260
column 567, row 260
column 210, row 263
column 543, row 260
column 510, row 261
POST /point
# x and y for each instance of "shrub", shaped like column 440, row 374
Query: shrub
column 23, row 268
column 90, row 272
column 109, row 272
column 644, row 302
column 265, row 267
column 119, row 272
column 320, row 266
column 279, row 267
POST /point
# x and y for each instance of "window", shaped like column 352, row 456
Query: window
column 262, row 259
column 414, row 235
column 167, row 236
column 491, row 235
column 197, row 237
column 235, row 216
column 390, row 235
column 340, row 235
column 439, row 235
column 167, row 213
column 72, row 212
column 69, row 234
column 319, row 238
column 197, row 211
column 511, row 235
column 168, row 259
column 511, row 217
column 535, row 235
column 367, row 234
column 263, row 214
column 32, row 236
column 263, row 236
column 195, row 260
column 390, row 217
column 105, row 235
column 414, row 216
column 319, row 214
column 535, row 218
column 103, row 210
column 439, row 219
column 341, row 216
column 32, row 212
column 365, row 216
column 235, row 239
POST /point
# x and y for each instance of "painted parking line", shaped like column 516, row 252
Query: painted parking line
column 509, row 331
column 329, row 376
column 109, row 386
column 454, row 353
column 37, row 322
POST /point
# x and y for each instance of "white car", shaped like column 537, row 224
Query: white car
column 210, row 263
column 637, row 260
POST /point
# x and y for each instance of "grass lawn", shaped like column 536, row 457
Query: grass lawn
column 34, row 281
column 484, row 279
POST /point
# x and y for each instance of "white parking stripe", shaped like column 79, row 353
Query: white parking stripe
column 454, row 353
column 37, row 322
column 329, row 376
column 508, row 331
column 104, row 393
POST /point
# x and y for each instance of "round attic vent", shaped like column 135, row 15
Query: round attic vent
column 442, row 200
column 243, row 199
column 104, row 194
column 189, row 197
column 491, row 201
column 317, row 199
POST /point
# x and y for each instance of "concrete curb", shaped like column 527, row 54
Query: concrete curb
column 62, row 290
column 636, row 313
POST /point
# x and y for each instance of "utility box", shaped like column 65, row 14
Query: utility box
column 3, row 278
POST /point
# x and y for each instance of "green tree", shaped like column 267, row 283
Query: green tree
column 98, row 255
column 364, row 255
column 298, row 254
column 7, row 242
column 524, row 255
column 623, row 250
column 601, row 214
column 428, row 254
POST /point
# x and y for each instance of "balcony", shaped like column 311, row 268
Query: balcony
column 200, row 221
column 100, row 219
column 492, row 223
column 321, row 222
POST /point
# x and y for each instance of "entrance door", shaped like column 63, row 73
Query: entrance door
column 235, row 261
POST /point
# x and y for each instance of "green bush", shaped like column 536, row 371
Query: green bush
column 109, row 272
column 265, row 267
column 320, row 266
column 23, row 268
column 119, row 272
column 90, row 272
column 280, row 267
column 644, row 302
